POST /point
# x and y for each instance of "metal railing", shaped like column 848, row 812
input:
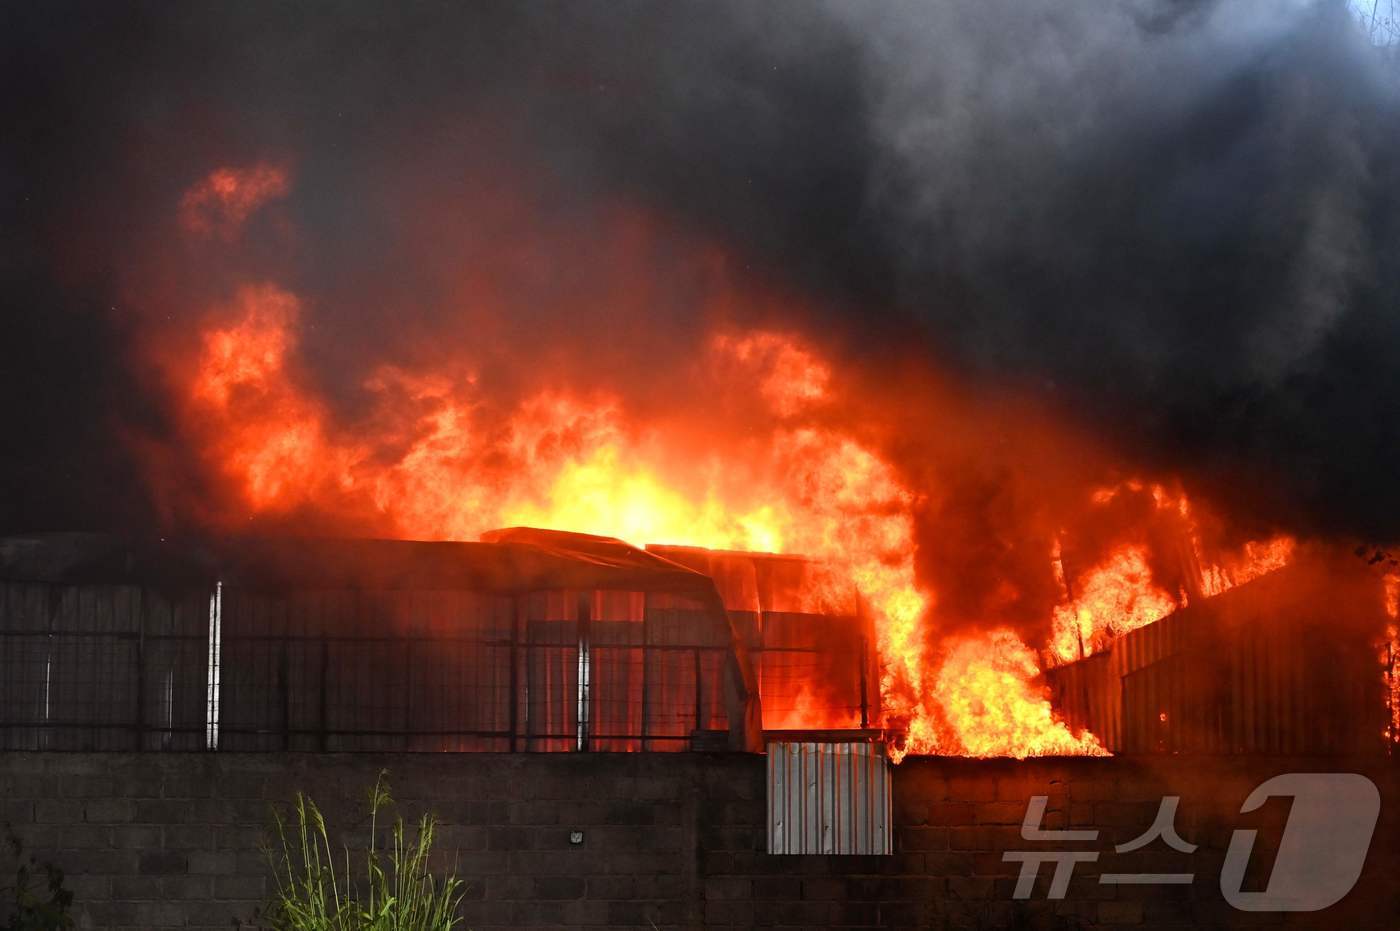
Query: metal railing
column 124, row 667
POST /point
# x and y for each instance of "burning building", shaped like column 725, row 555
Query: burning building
column 532, row 640
column 1286, row 663
column 529, row 640
column 538, row 324
column 981, row 382
column 540, row 640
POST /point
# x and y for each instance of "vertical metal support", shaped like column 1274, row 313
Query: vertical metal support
column 864, row 662
column 45, row 735
column 585, row 698
column 517, row 625
column 167, row 736
column 325, row 662
column 216, row 633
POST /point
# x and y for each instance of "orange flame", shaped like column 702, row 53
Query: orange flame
column 432, row 455
column 277, row 445
column 570, row 463
column 986, row 688
column 227, row 197
column 1391, row 653
column 1113, row 598
column 561, row 462
column 795, row 377
column 1120, row 594
column 1257, row 558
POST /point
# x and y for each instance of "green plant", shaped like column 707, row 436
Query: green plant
column 396, row 893
column 40, row 903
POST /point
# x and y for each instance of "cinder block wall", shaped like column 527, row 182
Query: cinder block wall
column 669, row 840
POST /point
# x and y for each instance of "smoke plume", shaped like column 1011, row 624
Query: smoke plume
column 1171, row 224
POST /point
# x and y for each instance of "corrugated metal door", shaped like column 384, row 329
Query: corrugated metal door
column 828, row 797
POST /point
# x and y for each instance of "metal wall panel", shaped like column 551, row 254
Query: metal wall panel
column 1088, row 695
column 815, row 659
column 101, row 667
column 828, row 797
column 1280, row 665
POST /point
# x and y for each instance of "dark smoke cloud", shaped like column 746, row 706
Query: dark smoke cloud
column 1176, row 220
column 1184, row 223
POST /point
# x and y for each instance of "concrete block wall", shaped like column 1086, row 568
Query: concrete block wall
column 668, row 840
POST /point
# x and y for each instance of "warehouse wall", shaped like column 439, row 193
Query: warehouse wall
column 168, row 840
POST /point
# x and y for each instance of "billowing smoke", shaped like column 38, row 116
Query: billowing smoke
column 1180, row 217
column 1172, row 223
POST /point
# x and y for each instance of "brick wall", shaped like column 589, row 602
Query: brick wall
column 669, row 840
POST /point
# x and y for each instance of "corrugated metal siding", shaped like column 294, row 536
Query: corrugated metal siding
column 1089, row 696
column 1298, row 690
column 126, row 667
column 828, row 797
column 1266, row 668
column 102, row 667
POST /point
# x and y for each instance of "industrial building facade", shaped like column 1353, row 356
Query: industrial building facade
column 1291, row 662
column 528, row 641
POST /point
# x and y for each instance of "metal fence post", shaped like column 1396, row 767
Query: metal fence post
column 585, row 695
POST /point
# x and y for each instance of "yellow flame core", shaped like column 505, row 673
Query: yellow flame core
column 1114, row 598
column 430, row 461
column 986, row 686
column 427, row 462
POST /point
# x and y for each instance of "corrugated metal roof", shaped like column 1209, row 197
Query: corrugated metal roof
column 512, row 560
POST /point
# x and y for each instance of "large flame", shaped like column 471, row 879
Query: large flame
column 985, row 686
column 1114, row 598
column 573, row 463
column 432, row 452
column 438, row 471
column 1258, row 557
column 1120, row 593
